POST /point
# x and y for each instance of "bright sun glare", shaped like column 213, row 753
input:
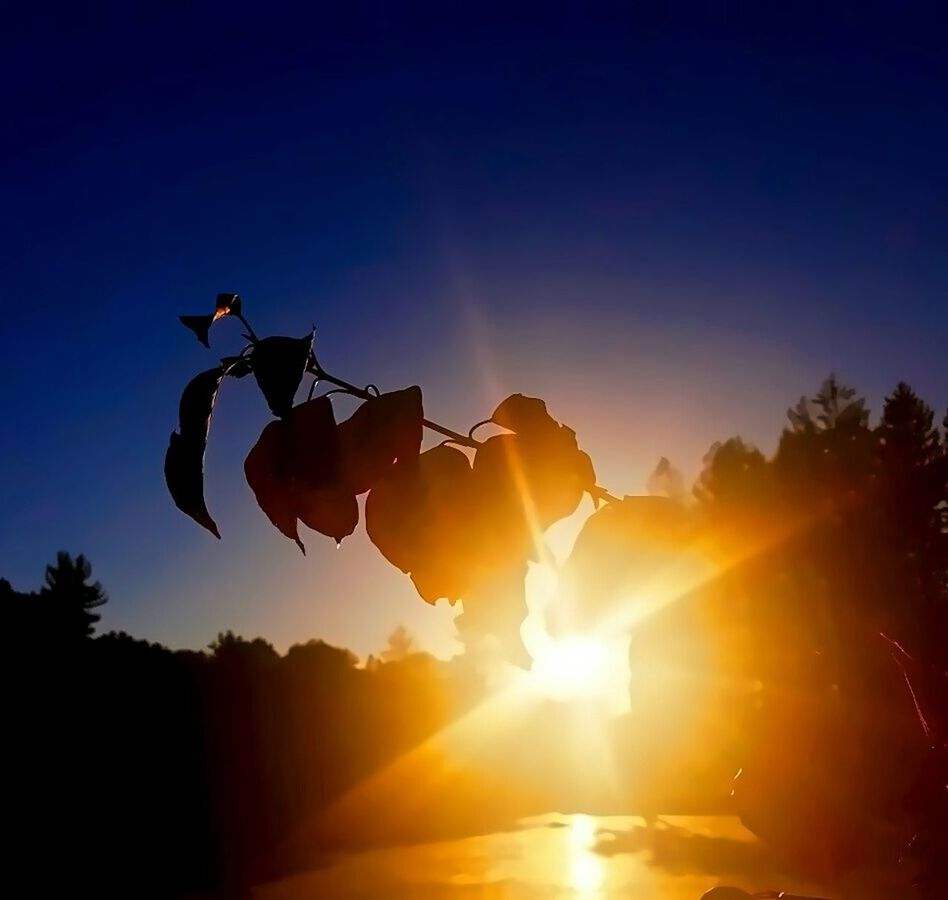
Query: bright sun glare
column 575, row 667
column 572, row 667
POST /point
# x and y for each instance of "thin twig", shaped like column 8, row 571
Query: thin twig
column 597, row 493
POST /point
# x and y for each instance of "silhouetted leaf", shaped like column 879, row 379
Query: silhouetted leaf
column 313, row 443
column 381, row 430
column 184, row 460
column 524, row 415
column 184, row 474
column 278, row 365
column 293, row 471
column 534, row 479
column 236, row 366
column 197, row 404
column 323, row 501
column 419, row 518
column 200, row 325
column 227, row 304
column 392, row 516
column 331, row 509
column 268, row 474
column 538, row 475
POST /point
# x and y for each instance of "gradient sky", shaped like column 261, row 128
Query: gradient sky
column 668, row 226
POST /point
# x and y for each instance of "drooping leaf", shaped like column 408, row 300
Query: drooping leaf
column 534, row 480
column 269, row 476
column 419, row 517
column 236, row 366
column 293, row 471
column 538, row 470
column 448, row 542
column 313, row 443
column 524, row 415
column 184, row 475
column 381, row 430
column 197, row 404
column 392, row 516
column 278, row 365
column 331, row 509
column 200, row 325
column 227, row 304
column 428, row 517
column 184, row 460
column 323, row 500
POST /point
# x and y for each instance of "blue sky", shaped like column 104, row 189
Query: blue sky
column 668, row 225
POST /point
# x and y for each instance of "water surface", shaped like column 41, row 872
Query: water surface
column 555, row 856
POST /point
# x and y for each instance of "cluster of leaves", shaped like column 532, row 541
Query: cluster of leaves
column 462, row 526
column 306, row 468
column 465, row 528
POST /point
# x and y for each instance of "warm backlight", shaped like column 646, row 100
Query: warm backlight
column 572, row 667
column 588, row 667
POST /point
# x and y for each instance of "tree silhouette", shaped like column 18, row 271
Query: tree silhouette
column 67, row 598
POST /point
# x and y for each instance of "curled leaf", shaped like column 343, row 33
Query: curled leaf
column 184, row 475
column 200, row 325
column 381, row 430
column 278, row 365
column 184, row 460
column 197, row 404
column 227, row 304
column 269, row 476
column 236, row 366
column 524, row 415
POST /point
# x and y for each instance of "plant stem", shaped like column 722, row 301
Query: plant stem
column 250, row 332
column 596, row 492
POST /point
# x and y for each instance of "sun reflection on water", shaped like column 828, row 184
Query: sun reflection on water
column 587, row 872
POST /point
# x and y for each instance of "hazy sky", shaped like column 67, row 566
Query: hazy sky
column 668, row 226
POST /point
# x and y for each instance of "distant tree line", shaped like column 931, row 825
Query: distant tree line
column 138, row 771
column 834, row 595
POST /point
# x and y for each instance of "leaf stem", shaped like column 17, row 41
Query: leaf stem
column 599, row 494
column 250, row 332
column 596, row 492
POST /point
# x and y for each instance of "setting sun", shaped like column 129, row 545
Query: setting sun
column 588, row 667
column 572, row 667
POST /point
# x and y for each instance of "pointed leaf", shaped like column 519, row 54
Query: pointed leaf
column 278, row 365
column 381, row 430
column 331, row 510
column 184, row 460
column 419, row 517
column 184, row 475
column 268, row 474
column 200, row 325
